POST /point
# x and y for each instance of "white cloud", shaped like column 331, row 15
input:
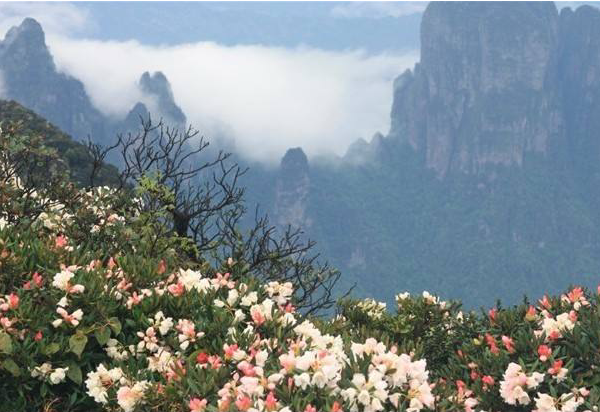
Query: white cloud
column 55, row 17
column 378, row 9
column 268, row 98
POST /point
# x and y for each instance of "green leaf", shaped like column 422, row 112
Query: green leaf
column 102, row 335
column 12, row 367
column 51, row 349
column 115, row 325
column 77, row 343
column 5, row 343
column 74, row 373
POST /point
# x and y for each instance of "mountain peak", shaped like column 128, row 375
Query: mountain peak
column 294, row 160
column 28, row 33
column 157, row 86
column 24, row 48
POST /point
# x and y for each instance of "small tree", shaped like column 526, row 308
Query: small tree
column 201, row 191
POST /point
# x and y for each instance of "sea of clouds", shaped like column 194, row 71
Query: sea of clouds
column 267, row 99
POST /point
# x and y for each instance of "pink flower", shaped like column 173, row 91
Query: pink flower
column 197, row 405
column 243, row 403
column 573, row 316
column 202, row 358
column 336, row 407
column 544, row 352
column 162, row 268
column 556, row 367
column 176, row 290
column 488, row 380
column 575, row 295
column 271, row 402
column 60, row 241
column 38, row 336
column 530, row 315
column 508, row 344
column 310, row 408
column 492, row 314
column 13, row 301
column 545, row 302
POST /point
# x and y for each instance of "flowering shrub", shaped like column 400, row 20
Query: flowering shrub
column 101, row 310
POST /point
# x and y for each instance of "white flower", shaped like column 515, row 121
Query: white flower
column 249, row 299
column 61, row 280
column 58, row 375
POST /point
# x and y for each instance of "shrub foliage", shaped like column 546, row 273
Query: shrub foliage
column 106, row 304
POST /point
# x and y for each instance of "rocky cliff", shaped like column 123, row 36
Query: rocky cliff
column 291, row 190
column 579, row 73
column 491, row 84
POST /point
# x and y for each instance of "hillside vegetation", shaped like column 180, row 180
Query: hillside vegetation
column 105, row 307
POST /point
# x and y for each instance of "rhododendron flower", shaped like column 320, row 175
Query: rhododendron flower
column 488, row 380
column 545, row 302
column 553, row 328
column 491, row 341
column 558, row 371
column 492, row 313
column 162, row 267
column 515, row 382
column 73, row 318
column 197, row 405
column 62, row 281
column 271, row 402
column 176, row 289
column 531, row 313
column 336, row 407
column 187, row 333
column 508, row 344
column 5, row 322
column 13, row 301
column 58, row 375
column 60, row 241
column 129, row 397
column 243, row 403
column 544, row 352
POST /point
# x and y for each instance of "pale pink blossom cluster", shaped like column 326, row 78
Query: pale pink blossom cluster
column 516, row 384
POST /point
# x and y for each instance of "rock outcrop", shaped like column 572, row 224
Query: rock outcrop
column 292, row 189
column 158, row 89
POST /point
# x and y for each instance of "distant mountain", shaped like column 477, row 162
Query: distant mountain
column 487, row 184
column 30, row 77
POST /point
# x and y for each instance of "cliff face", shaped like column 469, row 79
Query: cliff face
column 30, row 78
column 484, row 92
column 291, row 190
column 579, row 70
